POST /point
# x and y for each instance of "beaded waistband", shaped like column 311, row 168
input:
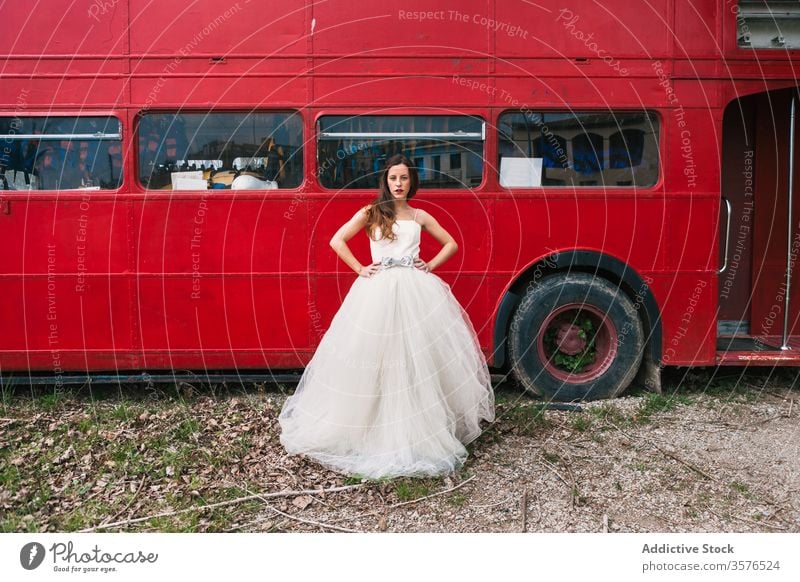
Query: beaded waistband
column 404, row 261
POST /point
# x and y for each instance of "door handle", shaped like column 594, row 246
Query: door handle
column 729, row 210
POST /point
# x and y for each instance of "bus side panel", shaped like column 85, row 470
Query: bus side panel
column 698, row 29
column 604, row 31
column 24, row 93
column 66, row 28
column 63, row 281
column 225, row 28
column 221, row 274
column 625, row 228
column 688, row 305
column 690, row 234
column 414, row 26
column 692, row 148
column 209, row 91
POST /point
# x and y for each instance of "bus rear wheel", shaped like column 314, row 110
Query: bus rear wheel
column 575, row 337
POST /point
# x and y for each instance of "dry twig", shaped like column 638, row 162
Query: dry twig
column 220, row 504
column 308, row 521
column 128, row 506
column 432, row 494
column 524, row 510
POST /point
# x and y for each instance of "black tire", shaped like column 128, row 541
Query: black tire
column 559, row 302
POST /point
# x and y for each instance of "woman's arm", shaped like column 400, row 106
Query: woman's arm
column 449, row 245
column 339, row 243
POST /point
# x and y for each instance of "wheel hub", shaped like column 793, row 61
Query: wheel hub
column 568, row 339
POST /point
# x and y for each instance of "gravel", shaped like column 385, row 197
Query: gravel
column 697, row 462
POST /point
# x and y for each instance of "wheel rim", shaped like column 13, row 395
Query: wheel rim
column 571, row 356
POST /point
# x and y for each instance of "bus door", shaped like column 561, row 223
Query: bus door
column 759, row 286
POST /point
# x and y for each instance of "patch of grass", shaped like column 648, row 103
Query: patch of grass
column 85, row 425
column 51, row 401
column 10, row 476
column 526, row 419
column 608, row 412
column 122, row 412
column 185, row 522
column 124, row 454
column 657, row 403
column 742, row 488
column 551, row 457
column 17, row 524
column 177, row 459
column 457, row 500
column 186, row 428
column 354, row 480
column 410, row 489
column 581, row 422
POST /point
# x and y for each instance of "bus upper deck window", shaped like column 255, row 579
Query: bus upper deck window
column 220, row 150
column 60, row 153
column 447, row 149
column 578, row 149
column 772, row 24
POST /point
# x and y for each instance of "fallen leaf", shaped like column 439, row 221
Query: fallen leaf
column 302, row 502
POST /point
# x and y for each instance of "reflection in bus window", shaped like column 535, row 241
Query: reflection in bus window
column 578, row 149
column 626, row 148
column 198, row 151
column 447, row 150
column 60, row 153
column 587, row 153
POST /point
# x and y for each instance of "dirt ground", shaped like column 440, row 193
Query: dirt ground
column 720, row 456
column 718, row 451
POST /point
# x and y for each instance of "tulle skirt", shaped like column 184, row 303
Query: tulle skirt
column 398, row 384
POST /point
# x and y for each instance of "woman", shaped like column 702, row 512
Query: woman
column 398, row 384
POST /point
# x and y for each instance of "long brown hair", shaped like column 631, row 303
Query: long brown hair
column 381, row 212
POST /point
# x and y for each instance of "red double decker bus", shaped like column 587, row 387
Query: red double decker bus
column 620, row 181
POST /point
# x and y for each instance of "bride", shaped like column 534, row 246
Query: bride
column 398, row 384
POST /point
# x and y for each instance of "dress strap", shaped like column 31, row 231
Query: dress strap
column 415, row 214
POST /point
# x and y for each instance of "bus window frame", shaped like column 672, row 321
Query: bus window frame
column 482, row 113
column 731, row 41
column 656, row 186
column 276, row 192
column 117, row 114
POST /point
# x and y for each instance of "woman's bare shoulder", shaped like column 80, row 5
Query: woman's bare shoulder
column 362, row 214
column 423, row 216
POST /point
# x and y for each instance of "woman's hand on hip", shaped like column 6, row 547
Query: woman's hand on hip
column 369, row 270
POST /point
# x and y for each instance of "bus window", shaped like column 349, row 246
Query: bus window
column 447, row 150
column 60, row 153
column 589, row 149
column 198, row 151
column 768, row 25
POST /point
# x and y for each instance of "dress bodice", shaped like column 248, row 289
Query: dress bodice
column 406, row 243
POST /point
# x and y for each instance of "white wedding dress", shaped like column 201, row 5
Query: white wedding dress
column 398, row 384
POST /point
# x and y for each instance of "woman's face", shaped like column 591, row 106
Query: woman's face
column 398, row 178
